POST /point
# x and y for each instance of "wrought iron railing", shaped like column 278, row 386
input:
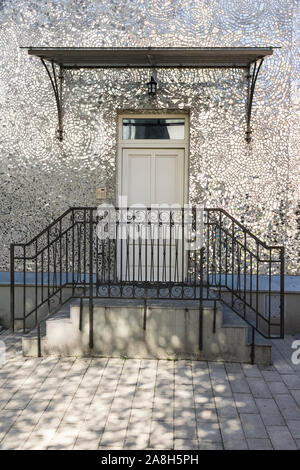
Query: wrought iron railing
column 244, row 271
column 155, row 253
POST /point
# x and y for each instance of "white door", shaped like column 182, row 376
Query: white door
column 153, row 247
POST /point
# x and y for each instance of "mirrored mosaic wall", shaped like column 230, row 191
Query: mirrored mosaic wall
column 41, row 177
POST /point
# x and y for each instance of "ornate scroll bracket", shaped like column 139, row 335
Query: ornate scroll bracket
column 252, row 77
column 56, row 82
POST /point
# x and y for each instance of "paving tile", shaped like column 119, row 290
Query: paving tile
column 271, row 375
column 128, row 379
column 287, row 406
column 296, row 396
column 142, row 427
column 161, row 401
column 182, row 399
column 231, row 429
column 107, row 385
column 148, row 364
column 162, row 435
column 48, row 388
column 185, row 429
column 162, row 382
column 161, row 413
column 186, row 444
column 203, row 445
column 280, row 363
column 203, row 396
column 253, row 426
column 125, row 388
column 294, row 427
column 143, row 399
column 7, row 419
column 208, row 432
column 164, row 388
column 164, row 364
column 206, row 413
column 184, row 413
column 258, row 387
column 14, row 439
column 18, row 402
column 269, row 411
column 166, row 374
column 232, row 444
column 281, row 438
column 137, row 441
column 114, row 432
column 122, row 408
column 217, row 370
column 234, row 368
column 200, row 371
column 65, row 437
column 2, row 404
column 87, row 442
column 110, row 447
column 221, row 388
column 277, row 387
column 147, row 385
column 245, row 403
column 226, row 407
column 201, row 379
column 23, row 427
column 292, row 381
column 140, row 414
column 251, row 370
column 239, row 384
column 41, row 434
column 259, row 444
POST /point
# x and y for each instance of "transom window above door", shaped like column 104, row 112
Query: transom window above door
column 153, row 128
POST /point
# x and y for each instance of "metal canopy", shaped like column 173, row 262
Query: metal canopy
column 250, row 58
column 153, row 56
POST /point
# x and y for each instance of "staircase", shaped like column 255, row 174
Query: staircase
column 171, row 332
column 80, row 292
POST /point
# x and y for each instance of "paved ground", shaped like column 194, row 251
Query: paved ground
column 52, row 403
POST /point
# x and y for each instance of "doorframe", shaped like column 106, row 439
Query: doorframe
column 153, row 143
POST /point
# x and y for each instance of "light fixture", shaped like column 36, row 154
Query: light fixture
column 152, row 86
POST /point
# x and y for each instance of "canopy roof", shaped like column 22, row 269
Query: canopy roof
column 151, row 56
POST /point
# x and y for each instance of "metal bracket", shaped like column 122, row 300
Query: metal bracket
column 56, row 82
column 252, row 77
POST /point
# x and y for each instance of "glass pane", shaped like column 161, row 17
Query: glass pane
column 153, row 128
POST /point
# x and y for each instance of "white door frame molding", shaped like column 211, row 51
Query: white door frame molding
column 153, row 143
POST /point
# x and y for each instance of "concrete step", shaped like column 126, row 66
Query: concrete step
column 172, row 332
column 263, row 346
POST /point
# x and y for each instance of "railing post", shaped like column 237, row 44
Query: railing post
column 39, row 346
column 12, row 287
column 145, row 313
column 282, row 292
column 252, row 354
column 207, row 253
column 201, row 301
column 91, row 312
column 80, row 313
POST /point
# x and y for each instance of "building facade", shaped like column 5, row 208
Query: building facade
column 256, row 182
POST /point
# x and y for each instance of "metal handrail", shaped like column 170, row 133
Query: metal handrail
column 66, row 255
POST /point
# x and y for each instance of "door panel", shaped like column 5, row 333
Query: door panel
column 167, row 173
column 136, row 168
column 152, row 177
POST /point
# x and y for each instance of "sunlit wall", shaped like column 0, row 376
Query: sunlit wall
column 40, row 177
